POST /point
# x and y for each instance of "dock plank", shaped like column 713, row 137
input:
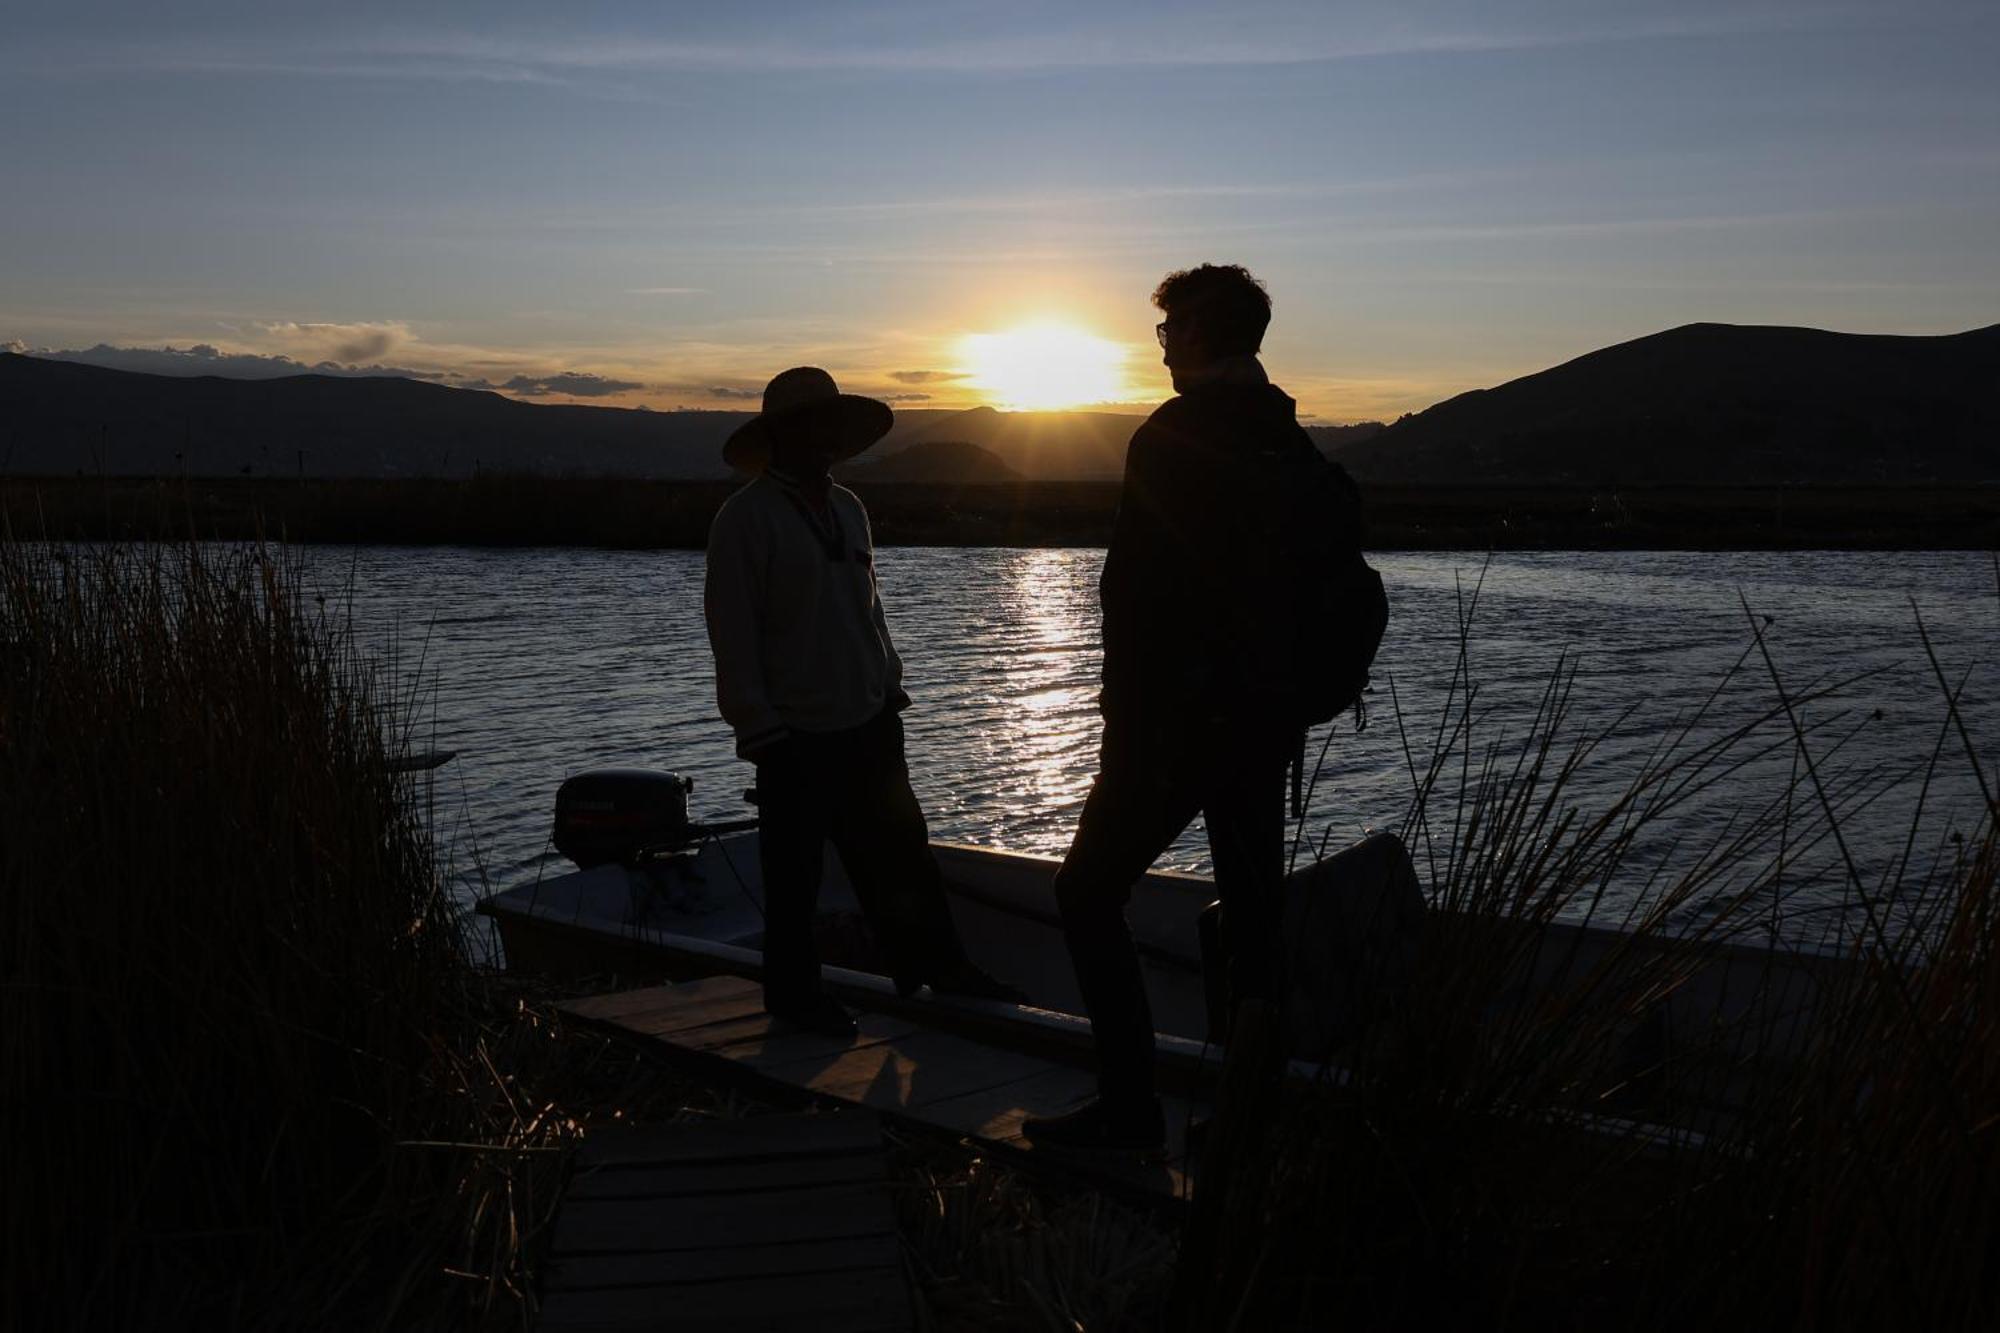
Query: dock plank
column 731, row 1177
column 868, row 1299
column 996, row 1113
column 573, row 1272
column 756, row 1138
column 628, row 1226
column 975, row 1087
column 724, row 994
column 908, row 1073
column 774, row 1222
column 777, row 1041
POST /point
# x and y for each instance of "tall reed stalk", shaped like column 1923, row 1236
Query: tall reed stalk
column 1530, row 1145
column 246, row 1065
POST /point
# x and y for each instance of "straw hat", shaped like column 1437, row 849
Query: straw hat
column 845, row 423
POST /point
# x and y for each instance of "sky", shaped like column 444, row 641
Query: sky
column 664, row 203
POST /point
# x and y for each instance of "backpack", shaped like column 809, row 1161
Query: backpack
column 1314, row 611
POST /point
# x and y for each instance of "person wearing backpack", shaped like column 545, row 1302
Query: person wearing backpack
column 1237, row 610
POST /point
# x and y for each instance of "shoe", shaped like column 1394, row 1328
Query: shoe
column 966, row 981
column 1135, row 1130
column 815, row 1013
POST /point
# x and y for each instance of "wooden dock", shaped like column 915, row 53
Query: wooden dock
column 900, row 1066
column 774, row 1223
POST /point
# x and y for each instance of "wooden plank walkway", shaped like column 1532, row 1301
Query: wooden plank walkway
column 778, row 1222
column 898, row 1067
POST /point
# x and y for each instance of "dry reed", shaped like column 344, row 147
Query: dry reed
column 1534, row 1148
column 251, row 1080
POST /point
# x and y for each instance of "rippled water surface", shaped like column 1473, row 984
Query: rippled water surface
column 537, row 664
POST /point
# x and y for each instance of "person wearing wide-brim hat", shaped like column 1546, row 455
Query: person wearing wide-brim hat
column 808, row 678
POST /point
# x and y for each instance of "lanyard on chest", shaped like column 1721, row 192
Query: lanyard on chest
column 825, row 527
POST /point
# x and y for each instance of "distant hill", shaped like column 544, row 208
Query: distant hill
column 1060, row 446
column 62, row 417
column 1717, row 404
column 944, row 462
column 1041, row 446
column 1704, row 405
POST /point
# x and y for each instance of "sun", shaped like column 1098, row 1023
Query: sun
column 1044, row 365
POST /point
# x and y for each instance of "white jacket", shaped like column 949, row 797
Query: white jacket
column 795, row 616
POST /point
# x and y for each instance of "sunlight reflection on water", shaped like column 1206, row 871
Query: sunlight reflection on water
column 541, row 663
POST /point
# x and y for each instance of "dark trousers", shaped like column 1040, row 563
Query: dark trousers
column 850, row 788
column 1149, row 786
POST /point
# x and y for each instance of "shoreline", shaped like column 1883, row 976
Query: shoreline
column 523, row 510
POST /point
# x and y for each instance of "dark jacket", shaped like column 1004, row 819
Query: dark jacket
column 1184, row 553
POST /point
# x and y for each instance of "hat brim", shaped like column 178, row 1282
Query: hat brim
column 847, row 424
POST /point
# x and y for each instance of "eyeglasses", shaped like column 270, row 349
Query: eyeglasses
column 1160, row 329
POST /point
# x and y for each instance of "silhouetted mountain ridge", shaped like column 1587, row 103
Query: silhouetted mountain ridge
column 1701, row 405
column 65, row 417
column 1717, row 404
column 948, row 462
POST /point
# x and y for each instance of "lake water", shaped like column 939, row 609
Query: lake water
column 537, row 664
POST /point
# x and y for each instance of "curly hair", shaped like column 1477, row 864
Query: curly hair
column 1232, row 305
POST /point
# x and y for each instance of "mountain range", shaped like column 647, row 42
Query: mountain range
column 1718, row 405
column 1705, row 404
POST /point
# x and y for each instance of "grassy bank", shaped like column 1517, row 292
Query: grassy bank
column 505, row 510
column 237, row 1006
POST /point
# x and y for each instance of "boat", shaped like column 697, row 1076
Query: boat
column 658, row 894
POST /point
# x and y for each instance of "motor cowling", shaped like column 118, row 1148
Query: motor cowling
column 610, row 815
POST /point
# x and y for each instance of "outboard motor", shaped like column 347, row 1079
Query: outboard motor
column 613, row 815
column 623, row 816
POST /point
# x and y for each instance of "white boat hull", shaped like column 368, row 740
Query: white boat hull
column 655, row 921
column 1355, row 925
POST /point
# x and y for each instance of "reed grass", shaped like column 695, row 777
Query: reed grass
column 993, row 1251
column 251, row 1079
column 1537, row 1155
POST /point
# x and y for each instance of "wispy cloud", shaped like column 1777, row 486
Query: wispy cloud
column 207, row 359
column 927, row 376
column 1187, row 38
column 339, row 342
column 570, row 384
column 1565, row 229
column 1067, row 203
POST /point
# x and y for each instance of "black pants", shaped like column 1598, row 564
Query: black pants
column 850, row 788
column 1149, row 786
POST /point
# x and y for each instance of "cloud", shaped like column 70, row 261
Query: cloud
column 572, row 383
column 926, row 376
column 206, row 359
column 1192, row 38
column 344, row 343
column 746, row 395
